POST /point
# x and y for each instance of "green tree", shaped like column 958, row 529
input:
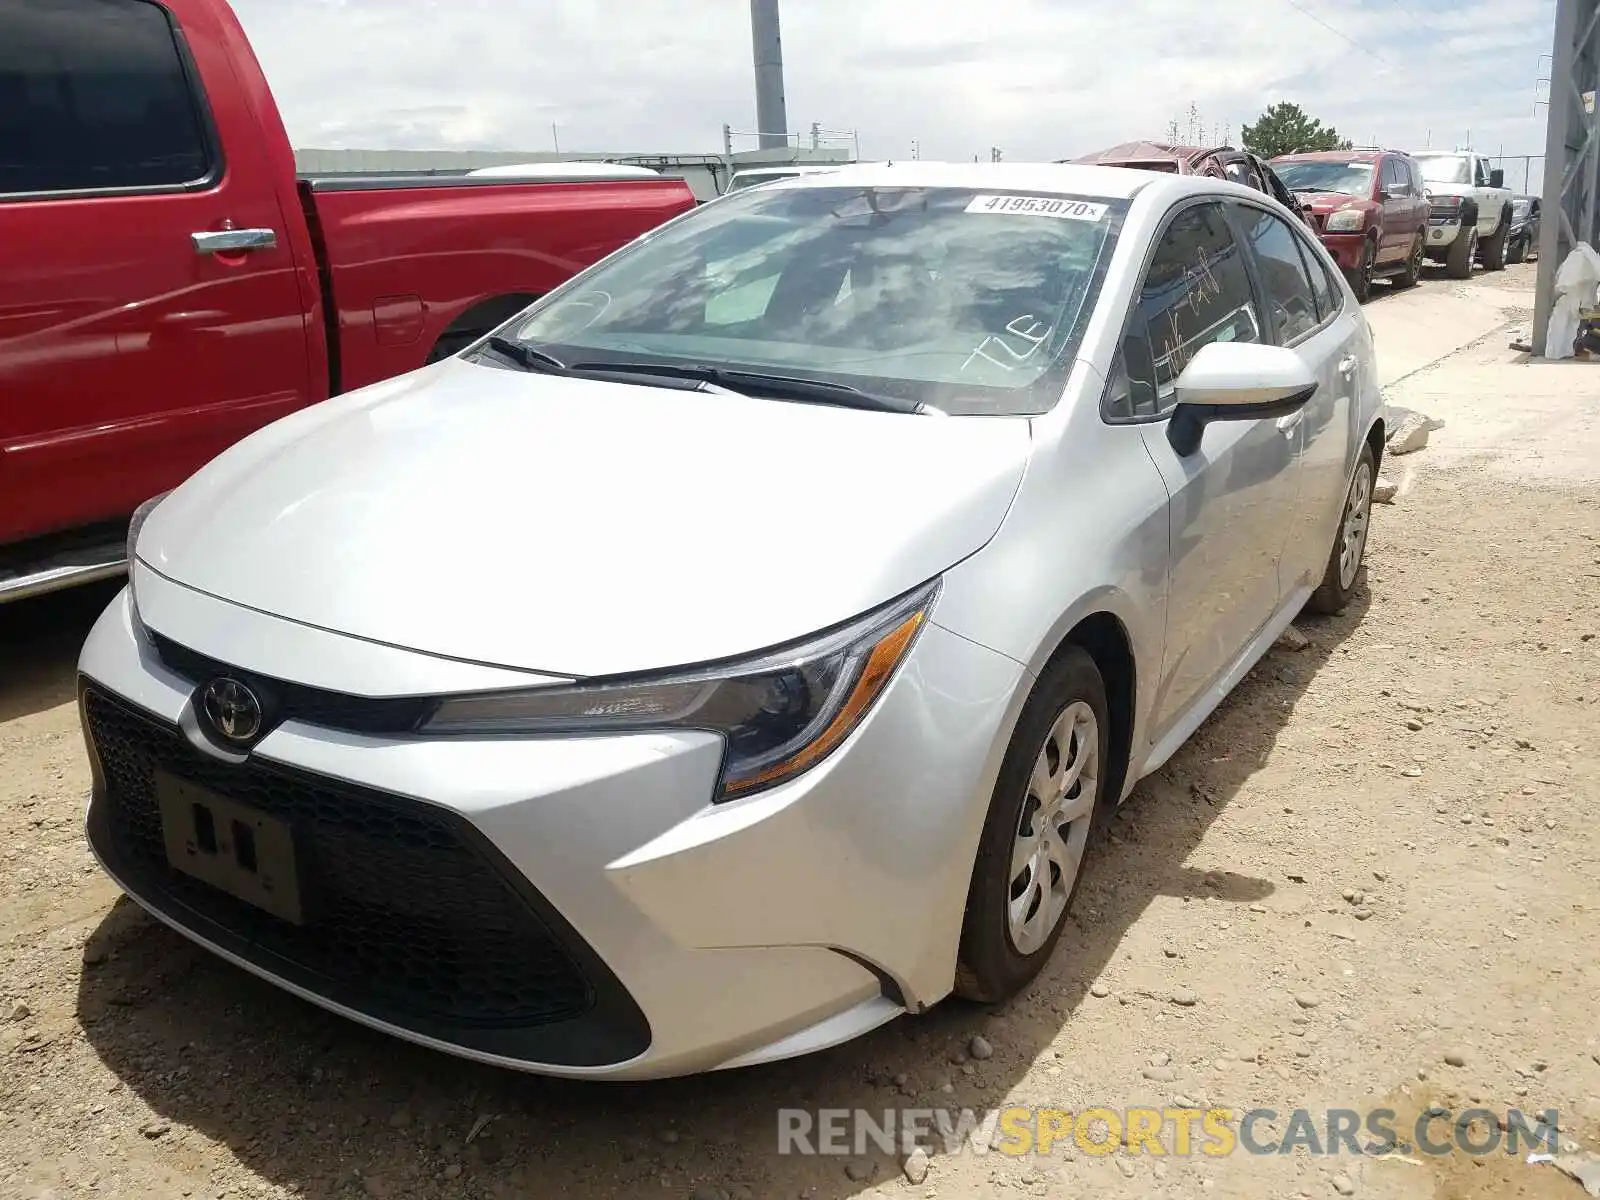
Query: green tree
column 1286, row 128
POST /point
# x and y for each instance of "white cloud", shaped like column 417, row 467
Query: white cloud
column 1042, row 79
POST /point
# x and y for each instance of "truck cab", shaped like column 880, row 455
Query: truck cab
column 170, row 285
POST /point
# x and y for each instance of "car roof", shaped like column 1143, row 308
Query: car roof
column 1333, row 156
column 1111, row 183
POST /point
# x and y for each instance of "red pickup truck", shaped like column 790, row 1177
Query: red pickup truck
column 168, row 285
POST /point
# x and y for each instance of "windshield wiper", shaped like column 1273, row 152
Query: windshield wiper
column 525, row 356
column 791, row 387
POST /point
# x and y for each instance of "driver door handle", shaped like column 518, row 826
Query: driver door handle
column 232, row 241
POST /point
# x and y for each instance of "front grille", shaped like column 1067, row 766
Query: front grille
column 285, row 701
column 1443, row 214
column 411, row 919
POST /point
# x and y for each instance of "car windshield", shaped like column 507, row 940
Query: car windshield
column 1520, row 207
column 1348, row 179
column 970, row 302
column 1444, row 168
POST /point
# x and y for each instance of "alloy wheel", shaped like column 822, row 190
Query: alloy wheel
column 1053, row 830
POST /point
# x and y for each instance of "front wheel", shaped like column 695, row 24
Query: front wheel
column 1458, row 265
column 1360, row 279
column 1516, row 251
column 1494, row 250
column 1338, row 585
column 1042, row 817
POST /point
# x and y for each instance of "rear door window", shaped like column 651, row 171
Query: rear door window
column 95, row 94
column 1283, row 272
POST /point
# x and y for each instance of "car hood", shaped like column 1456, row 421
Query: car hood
column 1448, row 189
column 582, row 527
column 1327, row 202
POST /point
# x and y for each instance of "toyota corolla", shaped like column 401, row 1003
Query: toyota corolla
column 739, row 647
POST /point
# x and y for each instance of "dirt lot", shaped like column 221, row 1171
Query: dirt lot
column 1375, row 870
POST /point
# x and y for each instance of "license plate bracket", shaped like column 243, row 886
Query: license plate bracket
column 231, row 846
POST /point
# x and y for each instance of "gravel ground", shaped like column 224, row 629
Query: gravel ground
column 1371, row 879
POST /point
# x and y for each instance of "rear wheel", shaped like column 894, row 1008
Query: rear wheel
column 1042, row 817
column 1413, row 272
column 1458, row 265
column 1349, row 544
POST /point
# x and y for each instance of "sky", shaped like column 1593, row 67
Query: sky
column 1038, row 79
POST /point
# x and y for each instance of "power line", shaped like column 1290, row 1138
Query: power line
column 1338, row 32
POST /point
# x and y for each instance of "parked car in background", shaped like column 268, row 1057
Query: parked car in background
column 1471, row 210
column 1217, row 162
column 497, row 795
column 170, row 285
column 1369, row 209
column 1523, row 241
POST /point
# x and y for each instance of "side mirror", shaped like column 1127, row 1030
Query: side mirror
column 1236, row 381
column 1497, row 178
column 1384, row 194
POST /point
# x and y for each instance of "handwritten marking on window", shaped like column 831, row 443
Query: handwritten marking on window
column 1027, row 329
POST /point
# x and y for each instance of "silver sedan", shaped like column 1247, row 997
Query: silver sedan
column 736, row 650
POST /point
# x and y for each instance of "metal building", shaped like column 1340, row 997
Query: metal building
column 1572, row 150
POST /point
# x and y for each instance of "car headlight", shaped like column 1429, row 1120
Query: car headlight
column 780, row 714
column 140, row 516
column 1346, row 220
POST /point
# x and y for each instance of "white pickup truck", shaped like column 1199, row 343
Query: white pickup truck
column 1470, row 210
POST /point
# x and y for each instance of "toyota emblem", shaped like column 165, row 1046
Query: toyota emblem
column 232, row 708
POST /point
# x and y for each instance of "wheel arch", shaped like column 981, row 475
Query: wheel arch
column 1104, row 637
column 478, row 319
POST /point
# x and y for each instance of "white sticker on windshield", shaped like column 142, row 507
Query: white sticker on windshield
column 1039, row 206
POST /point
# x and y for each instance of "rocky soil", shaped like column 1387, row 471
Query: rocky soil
column 1371, row 880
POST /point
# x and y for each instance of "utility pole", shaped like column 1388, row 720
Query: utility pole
column 816, row 134
column 554, row 138
column 772, row 116
column 727, row 141
column 916, row 149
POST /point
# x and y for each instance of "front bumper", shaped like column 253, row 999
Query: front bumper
column 1345, row 248
column 1442, row 232
column 567, row 906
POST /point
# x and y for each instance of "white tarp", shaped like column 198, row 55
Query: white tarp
column 1576, row 283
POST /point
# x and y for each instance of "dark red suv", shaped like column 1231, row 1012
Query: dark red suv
column 1369, row 208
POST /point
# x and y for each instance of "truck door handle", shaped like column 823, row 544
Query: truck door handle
column 1348, row 364
column 231, row 241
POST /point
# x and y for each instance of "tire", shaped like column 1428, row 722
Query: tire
column 1494, row 250
column 1361, row 278
column 1000, row 955
column 1342, row 576
column 1516, row 251
column 1458, row 263
column 1413, row 272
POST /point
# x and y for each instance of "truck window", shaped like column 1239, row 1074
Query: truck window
column 94, row 94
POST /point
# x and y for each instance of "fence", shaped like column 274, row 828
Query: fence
column 1524, row 172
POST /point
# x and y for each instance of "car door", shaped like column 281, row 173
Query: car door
column 1227, row 498
column 1395, row 201
column 129, row 353
column 1488, row 203
column 1309, row 315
